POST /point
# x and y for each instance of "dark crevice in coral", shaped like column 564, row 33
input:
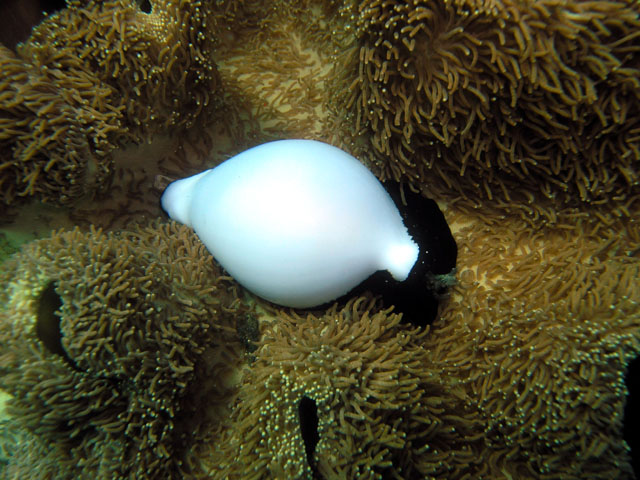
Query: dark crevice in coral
column 417, row 297
column 632, row 414
column 51, row 6
column 48, row 321
column 18, row 17
column 145, row 6
column 308, row 418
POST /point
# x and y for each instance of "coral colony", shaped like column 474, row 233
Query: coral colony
column 130, row 345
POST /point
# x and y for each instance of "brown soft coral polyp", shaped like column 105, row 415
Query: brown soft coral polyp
column 91, row 78
column 507, row 101
column 111, row 342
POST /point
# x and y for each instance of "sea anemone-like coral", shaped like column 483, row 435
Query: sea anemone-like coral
column 529, row 144
column 521, row 376
column 93, row 77
column 113, row 345
column 532, row 105
column 364, row 380
column 540, row 332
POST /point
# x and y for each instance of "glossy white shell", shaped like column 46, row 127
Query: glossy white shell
column 298, row 222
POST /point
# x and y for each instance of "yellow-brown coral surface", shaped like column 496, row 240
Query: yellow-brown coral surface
column 540, row 330
column 112, row 345
column 522, row 376
column 95, row 76
column 515, row 102
column 519, row 118
column 381, row 409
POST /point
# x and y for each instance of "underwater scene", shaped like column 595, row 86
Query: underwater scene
column 319, row 239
